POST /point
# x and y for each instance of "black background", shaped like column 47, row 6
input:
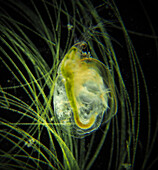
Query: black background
column 140, row 19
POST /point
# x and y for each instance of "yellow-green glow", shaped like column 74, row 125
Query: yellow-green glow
column 83, row 83
column 74, row 94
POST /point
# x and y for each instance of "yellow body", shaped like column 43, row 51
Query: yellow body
column 77, row 71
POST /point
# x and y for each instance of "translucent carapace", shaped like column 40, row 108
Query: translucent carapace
column 84, row 95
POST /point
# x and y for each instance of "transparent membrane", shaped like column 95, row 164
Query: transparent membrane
column 83, row 92
column 54, row 92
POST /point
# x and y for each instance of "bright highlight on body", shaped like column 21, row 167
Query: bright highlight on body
column 83, row 92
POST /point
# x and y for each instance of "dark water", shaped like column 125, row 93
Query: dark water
column 140, row 19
